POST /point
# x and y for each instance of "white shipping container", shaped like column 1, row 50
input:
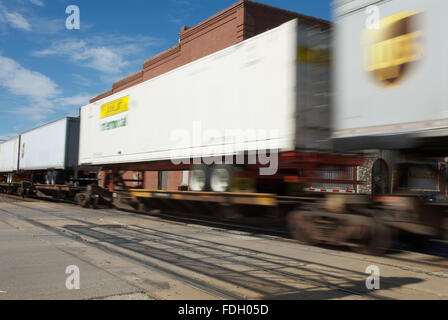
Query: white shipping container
column 391, row 76
column 9, row 152
column 275, row 84
column 51, row 146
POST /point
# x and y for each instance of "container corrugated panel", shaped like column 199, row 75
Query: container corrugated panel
column 335, row 174
column 199, row 109
column 423, row 178
column 391, row 76
column 313, row 87
column 9, row 152
column 51, row 146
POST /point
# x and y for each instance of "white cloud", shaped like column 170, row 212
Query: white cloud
column 110, row 55
column 77, row 101
column 175, row 20
column 100, row 58
column 43, row 25
column 103, row 59
column 34, row 113
column 37, row 3
column 81, row 80
column 15, row 18
column 21, row 81
column 17, row 21
column 42, row 96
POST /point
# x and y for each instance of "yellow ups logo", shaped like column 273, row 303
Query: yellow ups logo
column 393, row 47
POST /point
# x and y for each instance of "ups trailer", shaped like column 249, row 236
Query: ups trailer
column 253, row 117
column 390, row 90
column 390, row 103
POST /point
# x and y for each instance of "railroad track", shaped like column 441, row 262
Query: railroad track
column 176, row 217
column 76, row 237
column 439, row 248
column 217, row 255
column 179, row 247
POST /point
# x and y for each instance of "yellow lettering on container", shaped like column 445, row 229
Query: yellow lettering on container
column 115, row 107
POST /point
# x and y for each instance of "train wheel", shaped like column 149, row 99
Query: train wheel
column 82, row 200
column 300, row 227
column 95, row 202
column 375, row 239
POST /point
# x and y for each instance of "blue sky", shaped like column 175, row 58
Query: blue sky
column 48, row 72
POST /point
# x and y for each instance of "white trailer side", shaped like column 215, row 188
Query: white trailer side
column 9, row 152
column 51, row 146
column 199, row 109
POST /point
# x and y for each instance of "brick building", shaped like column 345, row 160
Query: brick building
column 237, row 23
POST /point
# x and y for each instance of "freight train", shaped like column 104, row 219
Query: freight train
column 283, row 150
column 255, row 134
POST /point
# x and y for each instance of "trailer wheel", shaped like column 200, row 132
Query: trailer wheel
column 221, row 177
column 200, row 178
column 51, row 177
column 48, row 177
